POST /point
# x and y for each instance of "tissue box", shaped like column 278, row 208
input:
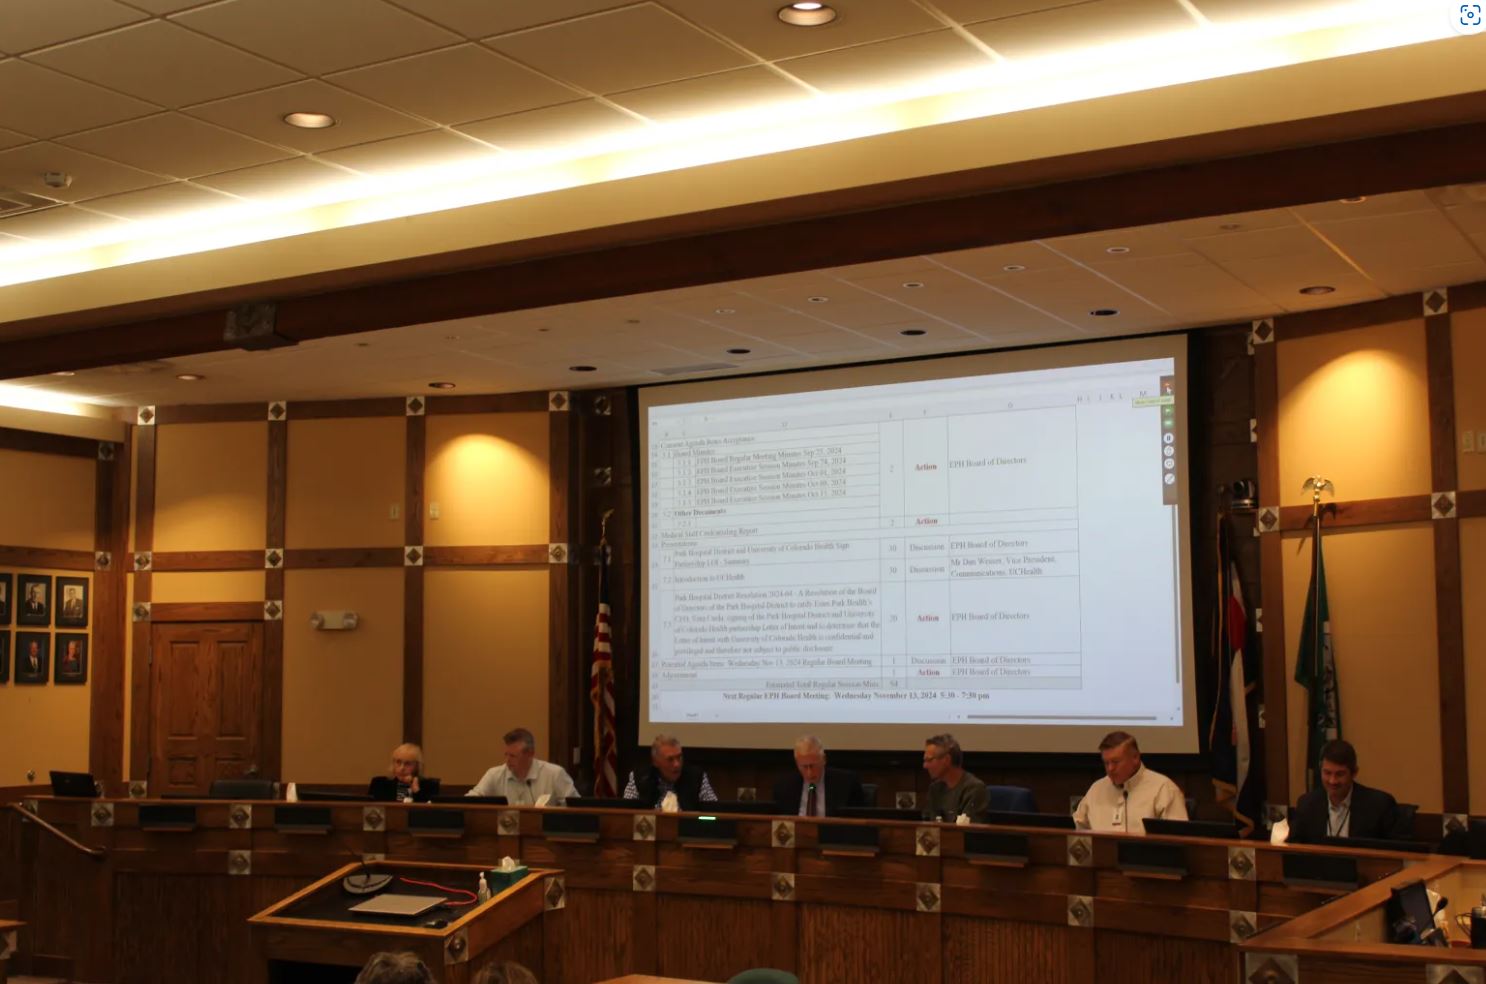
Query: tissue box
column 499, row 880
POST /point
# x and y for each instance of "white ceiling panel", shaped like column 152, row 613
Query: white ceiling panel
column 755, row 24
column 1470, row 218
column 175, row 145
column 1284, row 242
column 301, row 175
column 320, row 37
column 456, row 85
column 1408, row 280
column 889, row 64
column 600, row 52
column 30, row 24
column 42, row 103
column 1371, row 205
column 578, row 124
column 61, row 222
column 9, row 138
column 22, row 168
column 261, row 115
column 169, row 201
column 756, row 89
column 1411, row 239
column 973, row 11
column 1098, row 23
column 483, row 19
column 436, row 148
column 989, row 263
column 1229, row 11
column 165, row 64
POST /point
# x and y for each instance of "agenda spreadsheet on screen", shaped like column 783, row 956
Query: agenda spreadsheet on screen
column 999, row 549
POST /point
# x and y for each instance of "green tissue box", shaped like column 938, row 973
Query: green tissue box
column 499, row 880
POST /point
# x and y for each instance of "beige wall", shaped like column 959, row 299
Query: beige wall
column 488, row 476
column 345, row 476
column 211, row 486
column 1469, row 350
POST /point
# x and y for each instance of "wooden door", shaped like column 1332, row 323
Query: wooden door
column 206, row 692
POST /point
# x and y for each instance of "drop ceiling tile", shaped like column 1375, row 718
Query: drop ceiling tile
column 838, row 343
column 756, row 89
column 906, row 268
column 573, row 126
column 1351, row 288
column 1071, row 294
column 1286, row 241
column 1233, row 223
column 164, row 64
column 261, row 115
column 284, row 179
column 989, row 263
column 320, row 37
column 1372, row 205
column 59, row 223
column 1228, row 11
column 434, row 149
column 889, row 64
column 1406, row 281
column 483, row 19
column 1281, row 277
column 21, row 168
column 455, row 85
column 44, row 103
column 30, row 24
column 755, row 24
column 1186, row 285
column 163, row 202
column 1129, row 244
column 972, row 11
column 1469, row 217
column 1096, row 24
column 1413, row 239
column 175, row 145
column 602, row 52
column 9, row 138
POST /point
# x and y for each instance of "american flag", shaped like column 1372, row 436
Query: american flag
column 601, row 690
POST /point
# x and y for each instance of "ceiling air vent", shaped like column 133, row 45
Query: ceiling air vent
column 699, row 367
column 14, row 202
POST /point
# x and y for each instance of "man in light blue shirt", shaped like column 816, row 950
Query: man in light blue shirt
column 524, row 778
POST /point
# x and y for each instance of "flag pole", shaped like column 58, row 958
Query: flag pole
column 1316, row 485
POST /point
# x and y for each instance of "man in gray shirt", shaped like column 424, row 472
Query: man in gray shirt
column 524, row 778
column 952, row 790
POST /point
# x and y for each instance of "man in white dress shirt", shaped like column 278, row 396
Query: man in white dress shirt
column 524, row 778
column 1129, row 794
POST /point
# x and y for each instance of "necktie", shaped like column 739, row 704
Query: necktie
column 810, row 801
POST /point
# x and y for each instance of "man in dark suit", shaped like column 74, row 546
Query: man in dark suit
column 36, row 600
column 1343, row 807
column 813, row 790
column 668, row 773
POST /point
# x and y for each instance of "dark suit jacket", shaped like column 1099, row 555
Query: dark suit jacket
column 688, row 787
column 843, row 788
column 1375, row 814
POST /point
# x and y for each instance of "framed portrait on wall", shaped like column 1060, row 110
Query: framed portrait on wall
column 33, row 652
column 72, row 658
column 33, row 599
column 7, row 589
column 72, row 603
column 4, row 657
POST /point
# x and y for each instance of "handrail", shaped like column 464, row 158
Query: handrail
column 92, row 852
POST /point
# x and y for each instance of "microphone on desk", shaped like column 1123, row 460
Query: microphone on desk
column 1126, row 791
column 360, row 881
column 810, row 801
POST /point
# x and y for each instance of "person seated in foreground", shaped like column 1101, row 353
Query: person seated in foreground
column 952, row 790
column 813, row 790
column 395, row 968
column 668, row 773
column 524, row 778
column 505, row 972
column 1129, row 794
column 1342, row 806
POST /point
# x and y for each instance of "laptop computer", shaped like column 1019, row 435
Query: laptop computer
column 393, row 904
column 80, row 785
column 384, row 789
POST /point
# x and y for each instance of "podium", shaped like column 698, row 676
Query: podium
column 313, row 936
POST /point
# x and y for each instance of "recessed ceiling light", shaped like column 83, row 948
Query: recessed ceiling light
column 1354, row 200
column 582, row 368
column 1117, row 250
column 631, row 321
column 363, row 344
column 806, row 14
column 725, row 311
column 912, row 331
column 1105, row 312
column 1317, row 289
column 190, row 377
column 1013, row 268
column 1230, row 226
column 64, row 372
column 310, row 121
column 818, row 299
column 913, row 284
column 739, row 351
column 451, row 338
column 544, row 329
column 441, row 385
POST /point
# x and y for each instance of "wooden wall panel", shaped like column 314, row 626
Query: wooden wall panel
column 980, row 950
column 845, row 943
column 599, row 936
column 738, row 928
column 1129, row 958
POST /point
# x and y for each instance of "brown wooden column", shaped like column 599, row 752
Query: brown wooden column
column 271, row 753
column 564, row 568
column 146, row 437
column 110, row 618
column 1454, row 734
column 1271, row 566
column 412, row 592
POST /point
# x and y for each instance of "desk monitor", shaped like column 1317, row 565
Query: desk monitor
column 1376, row 844
column 608, row 803
column 470, row 800
column 706, row 829
column 1218, row 829
column 1476, row 839
column 877, row 813
column 384, row 789
column 1052, row 821
column 331, row 796
column 756, row 807
column 79, row 785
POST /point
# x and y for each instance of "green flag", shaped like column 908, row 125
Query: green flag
column 1315, row 669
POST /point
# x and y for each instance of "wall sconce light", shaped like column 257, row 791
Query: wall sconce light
column 335, row 621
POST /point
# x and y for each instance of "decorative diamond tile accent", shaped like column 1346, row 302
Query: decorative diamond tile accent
column 1080, row 850
column 1442, row 505
column 926, row 842
column 557, row 553
column 106, row 450
column 273, row 558
column 1454, row 823
column 559, row 401
column 7, row 945
column 372, row 857
column 905, row 800
column 603, row 477
column 1261, row 332
column 416, row 406
column 747, row 794
column 1241, row 864
column 457, row 950
column 144, row 560
column 278, row 410
column 103, row 815
column 1259, row 620
column 139, row 789
column 412, row 556
column 30, row 806
column 372, row 818
column 1453, row 974
column 102, row 560
column 645, row 827
column 782, row 886
column 273, row 611
column 602, row 406
column 240, row 817
column 783, row 834
column 927, row 895
column 556, row 894
column 1271, row 968
column 1436, row 301
column 643, row 879
column 1274, row 813
column 145, row 417
column 508, row 823
column 239, row 862
column 1081, row 911
column 1241, row 925
column 1253, row 430
column 140, row 611
column 1268, row 519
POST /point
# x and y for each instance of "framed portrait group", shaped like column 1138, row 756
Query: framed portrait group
column 44, row 602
